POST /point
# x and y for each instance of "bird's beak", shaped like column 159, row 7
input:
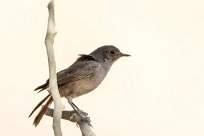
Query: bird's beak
column 124, row 55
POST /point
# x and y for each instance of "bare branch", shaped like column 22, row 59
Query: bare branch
column 53, row 88
column 57, row 113
column 73, row 117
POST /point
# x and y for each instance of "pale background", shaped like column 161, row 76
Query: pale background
column 156, row 92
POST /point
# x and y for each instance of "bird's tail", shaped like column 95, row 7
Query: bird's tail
column 42, row 87
column 43, row 110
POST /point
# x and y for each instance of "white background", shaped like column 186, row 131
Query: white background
column 156, row 92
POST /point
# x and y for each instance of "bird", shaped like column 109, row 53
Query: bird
column 82, row 77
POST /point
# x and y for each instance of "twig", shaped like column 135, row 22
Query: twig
column 53, row 88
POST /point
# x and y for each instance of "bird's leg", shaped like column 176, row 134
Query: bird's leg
column 75, row 106
column 80, row 113
column 76, row 109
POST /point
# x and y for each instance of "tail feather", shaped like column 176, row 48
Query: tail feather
column 42, row 87
column 39, row 104
column 43, row 110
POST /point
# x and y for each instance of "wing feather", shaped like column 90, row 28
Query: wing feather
column 82, row 68
column 77, row 71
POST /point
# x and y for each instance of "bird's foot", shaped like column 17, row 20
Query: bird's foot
column 83, row 116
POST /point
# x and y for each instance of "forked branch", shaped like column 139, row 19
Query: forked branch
column 73, row 117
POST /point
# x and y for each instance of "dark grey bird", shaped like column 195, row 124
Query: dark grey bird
column 82, row 77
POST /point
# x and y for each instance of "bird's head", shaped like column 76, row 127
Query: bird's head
column 107, row 53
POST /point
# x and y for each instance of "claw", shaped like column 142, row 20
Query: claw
column 87, row 120
column 83, row 115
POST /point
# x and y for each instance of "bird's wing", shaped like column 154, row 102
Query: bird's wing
column 84, row 67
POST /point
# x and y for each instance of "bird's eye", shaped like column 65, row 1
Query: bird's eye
column 112, row 52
